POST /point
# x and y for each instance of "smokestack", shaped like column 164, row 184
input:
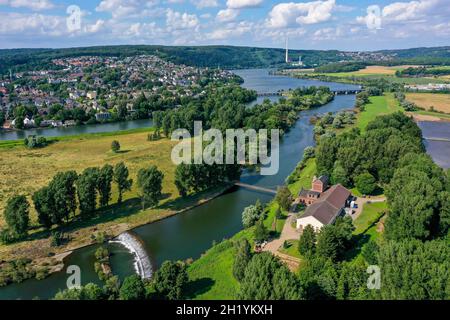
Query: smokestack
column 287, row 51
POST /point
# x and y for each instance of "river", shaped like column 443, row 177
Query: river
column 437, row 141
column 189, row 234
column 76, row 130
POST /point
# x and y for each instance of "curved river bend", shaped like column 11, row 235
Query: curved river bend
column 189, row 234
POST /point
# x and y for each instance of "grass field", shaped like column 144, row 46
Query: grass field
column 366, row 228
column 438, row 101
column 211, row 276
column 292, row 249
column 305, row 177
column 378, row 105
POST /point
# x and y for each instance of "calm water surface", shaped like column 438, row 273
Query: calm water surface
column 438, row 150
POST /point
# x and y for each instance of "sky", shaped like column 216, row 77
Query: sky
column 351, row 25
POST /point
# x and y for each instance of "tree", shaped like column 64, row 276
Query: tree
column 284, row 197
column 307, row 242
column 241, row 258
column 250, row 215
column 121, row 179
column 261, row 232
column 62, row 188
column 265, row 278
column 339, row 175
column 365, row 183
column 413, row 196
column 115, row 146
column 17, row 216
column 370, row 251
column 169, row 280
column 112, row 287
column 150, row 184
column 2, row 118
column 132, row 288
column 415, row 270
column 105, row 177
column 87, row 190
column 327, row 243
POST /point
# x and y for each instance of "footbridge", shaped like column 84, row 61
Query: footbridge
column 255, row 188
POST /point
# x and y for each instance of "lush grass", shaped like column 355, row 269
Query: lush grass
column 378, row 105
column 370, row 214
column 211, row 276
column 366, row 228
column 305, row 177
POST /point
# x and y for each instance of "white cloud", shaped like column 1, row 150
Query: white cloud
column 286, row 14
column 239, row 4
column 403, row 11
column 127, row 8
column 31, row 24
column 177, row 20
column 412, row 11
column 227, row 15
column 200, row 4
column 35, row 5
column 94, row 28
column 232, row 30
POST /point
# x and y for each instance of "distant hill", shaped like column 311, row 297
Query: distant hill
column 228, row 57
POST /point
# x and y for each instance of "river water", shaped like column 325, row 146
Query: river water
column 76, row 130
column 189, row 234
column 437, row 141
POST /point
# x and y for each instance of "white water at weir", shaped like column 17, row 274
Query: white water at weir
column 142, row 263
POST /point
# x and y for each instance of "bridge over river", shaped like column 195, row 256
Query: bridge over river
column 256, row 188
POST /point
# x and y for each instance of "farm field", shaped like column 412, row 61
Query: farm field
column 437, row 101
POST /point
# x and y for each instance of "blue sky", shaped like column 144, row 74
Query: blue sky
column 321, row 24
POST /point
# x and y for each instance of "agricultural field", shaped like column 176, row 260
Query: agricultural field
column 434, row 101
column 375, row 73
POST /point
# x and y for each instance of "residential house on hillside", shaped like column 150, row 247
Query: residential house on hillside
column 323, row 205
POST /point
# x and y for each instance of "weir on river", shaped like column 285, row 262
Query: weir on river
column 142, row 262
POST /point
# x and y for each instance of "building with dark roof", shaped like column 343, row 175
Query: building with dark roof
column 328, row 206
